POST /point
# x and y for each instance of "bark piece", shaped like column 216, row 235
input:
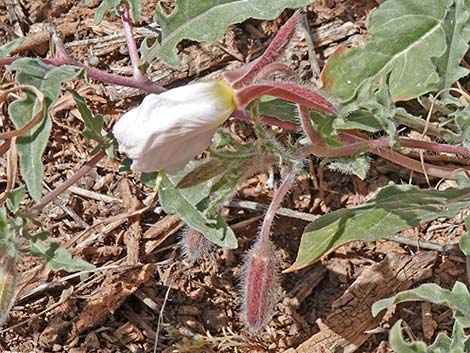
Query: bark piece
column 344, row 329
column 110, row 297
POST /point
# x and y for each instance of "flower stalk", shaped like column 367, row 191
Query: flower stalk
column 259, row 274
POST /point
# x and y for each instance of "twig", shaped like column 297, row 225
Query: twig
column 69, row 182
column 285, row 212
column 93, row 195
column 428, row 245
column 311, row 51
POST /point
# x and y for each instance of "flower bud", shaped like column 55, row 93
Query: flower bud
column 169, row 129
column 259, row 280
column 7, row 287
column 194, row 245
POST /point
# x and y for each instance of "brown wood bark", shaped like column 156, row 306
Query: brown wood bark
column 343, row 331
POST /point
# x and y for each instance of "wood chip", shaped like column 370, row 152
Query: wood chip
column 110, row 297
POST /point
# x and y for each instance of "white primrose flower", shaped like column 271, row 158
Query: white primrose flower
column 169, row 129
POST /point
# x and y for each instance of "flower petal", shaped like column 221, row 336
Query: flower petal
column 167, row 130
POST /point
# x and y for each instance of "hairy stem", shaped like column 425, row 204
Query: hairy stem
column 276, row 204
column 132, row 46
column 352, row 148
column 95, row 74
column 306, row 123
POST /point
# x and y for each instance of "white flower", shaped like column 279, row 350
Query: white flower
column 167, row 130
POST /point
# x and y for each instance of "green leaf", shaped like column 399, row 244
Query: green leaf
column 10, row 46
column 14, row 198
column 31, row 145
column 457, row 28
column 417, row 43
column 281, row 109
column 458, row 299
column 105, row 7
column 394, row 209
column 360, row 119
column 464, row 241
column 93, row 125
column 8, row 234
column 201, row 173
column 358, row 166
column 399, row 344
column 461, row 118
column 190, row 203
column 58, row 258
column 135, row 7
column 325, row 126
column 206, row 21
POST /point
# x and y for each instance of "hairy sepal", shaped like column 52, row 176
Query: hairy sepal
column 259, row 283
column 194, row 245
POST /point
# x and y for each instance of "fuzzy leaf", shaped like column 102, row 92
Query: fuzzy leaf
column 394, row 209
column 190, row 203
column 105, row 7
column 113, row 7
column 93, row 126
column 58, row 258
column 464, row 241
column 14, row 198
column 201, row 173
column 416, row 46
column 10, row 46
column 458, row 299
column 206, row 21
column 31, row 145
column 281, row 109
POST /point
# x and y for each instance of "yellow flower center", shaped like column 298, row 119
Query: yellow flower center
column 225, row 91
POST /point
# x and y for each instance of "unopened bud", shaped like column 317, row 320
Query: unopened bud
column 259, row 280
column 194, row 245
column 7, row 287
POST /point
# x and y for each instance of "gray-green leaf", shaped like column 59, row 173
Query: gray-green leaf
column 189, row 204
column 458, row 299
column 395, row 208
column 418, row 44
column 206, row 21
column 58, row 258
column 31, row 145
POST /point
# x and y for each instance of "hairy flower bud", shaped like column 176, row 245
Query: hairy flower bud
column 259, row 281
column 169, row 129
column 194, row 245
column 7, row 287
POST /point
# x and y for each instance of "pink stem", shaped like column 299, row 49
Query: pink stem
column 352, row 148
column 132, row 46
column 307, row 126
column 69, row 182
column 289, row 91
column 246, row 74
column 276, row 203
column 146, row 86
column 274, row 67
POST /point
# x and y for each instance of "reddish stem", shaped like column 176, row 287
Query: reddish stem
column 306, row 123
column 285, row 90
column 247, row 73
column 275, row 204
column 132, row 46
column 146, row 86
